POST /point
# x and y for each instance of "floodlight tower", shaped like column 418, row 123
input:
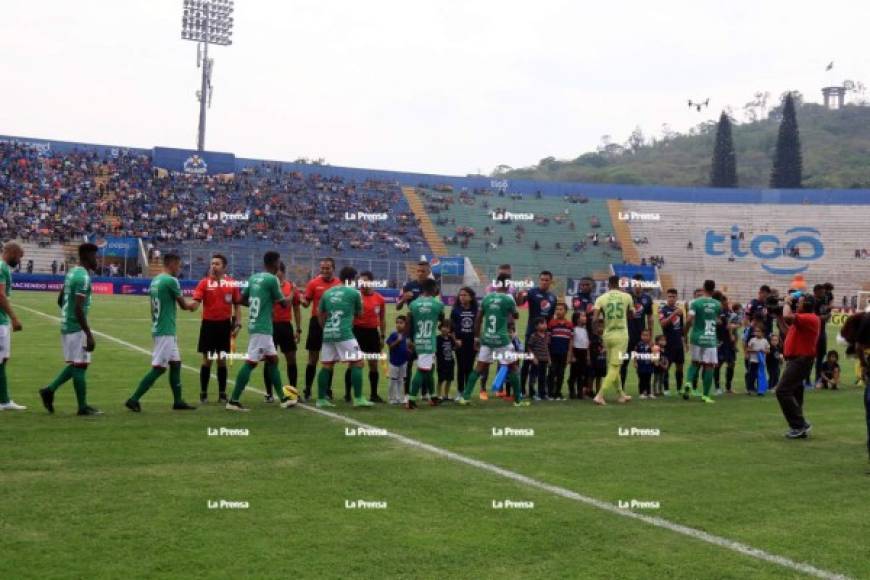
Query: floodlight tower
column 206, row 22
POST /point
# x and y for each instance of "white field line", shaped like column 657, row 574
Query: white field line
column 693, row 533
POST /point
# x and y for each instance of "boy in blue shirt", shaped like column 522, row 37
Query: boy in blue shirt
column 397, row 342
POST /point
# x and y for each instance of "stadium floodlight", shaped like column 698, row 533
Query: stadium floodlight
column 206, row 22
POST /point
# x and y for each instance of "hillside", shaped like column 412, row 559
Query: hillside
column 836, row 154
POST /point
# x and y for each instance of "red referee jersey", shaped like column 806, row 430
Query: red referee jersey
column 315, row 289
column 280, row 313
column 373, row 305
column 217, row 297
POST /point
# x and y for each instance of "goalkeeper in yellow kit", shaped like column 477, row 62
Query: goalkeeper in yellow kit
column 615, row 307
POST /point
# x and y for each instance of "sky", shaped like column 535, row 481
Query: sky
column 451, row 87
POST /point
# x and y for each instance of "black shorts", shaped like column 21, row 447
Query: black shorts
column 725, row 353
column 315, row 335
column 675, row 354
column 214, row 336
column 282, row 334
column 368, row 339
column 445, row 371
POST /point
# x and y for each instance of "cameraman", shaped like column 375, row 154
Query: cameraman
column 856, row 333
column 823, row 294
column 802, row 335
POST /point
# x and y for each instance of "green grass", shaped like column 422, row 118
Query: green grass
column 124, row 495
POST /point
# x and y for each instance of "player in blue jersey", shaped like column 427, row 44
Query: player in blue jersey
column 672, row 320
column 542, row 304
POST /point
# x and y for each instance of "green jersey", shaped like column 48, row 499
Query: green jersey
column 613, row 304
column 6, row 280
column 705, row 312
column 341, row 304
column 164, row 290
column 263, row 291
column 76, row 283
column 497, row 309
column 426, row 311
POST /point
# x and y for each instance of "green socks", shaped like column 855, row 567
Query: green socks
column 80, row 386
column 175, row 381
column 356, row 380
column 65, row 375
column 146, row 383
column 273, row 377
column 4, row 388
column 324, row 377
column 416, row 383
column 469, row 385
column 513, row 379
column 707, row 377
column 691, row 375
column 242, row 381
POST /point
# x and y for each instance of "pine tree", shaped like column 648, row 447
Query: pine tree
column 724, row 172
column 787, row 162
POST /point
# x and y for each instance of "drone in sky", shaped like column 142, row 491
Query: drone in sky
column 699, row 104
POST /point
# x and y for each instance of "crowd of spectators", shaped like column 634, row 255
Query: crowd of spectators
column 58, row 197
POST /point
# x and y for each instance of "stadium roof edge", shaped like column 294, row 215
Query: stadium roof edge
column 549, row 188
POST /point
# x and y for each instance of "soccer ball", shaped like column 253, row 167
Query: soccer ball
column 292, row 394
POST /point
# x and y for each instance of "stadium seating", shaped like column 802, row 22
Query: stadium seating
column 841, row 229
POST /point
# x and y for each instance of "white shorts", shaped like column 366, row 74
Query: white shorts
column 425, row 362
column 260, row 346
column 165, row 351
column 704, row 354
column 501, row 354
column 398, row 373
column 341, row 351
column 74, row 345
column 5, row 341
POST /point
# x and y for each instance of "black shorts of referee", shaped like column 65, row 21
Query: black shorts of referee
column 314, row 341
column 214, row 337
column 282, row 336
column 368, row 339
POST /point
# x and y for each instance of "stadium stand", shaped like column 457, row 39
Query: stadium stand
column 54, row 192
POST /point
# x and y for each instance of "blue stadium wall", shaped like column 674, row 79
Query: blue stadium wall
column 217, row 162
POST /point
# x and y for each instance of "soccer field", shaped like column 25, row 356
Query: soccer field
column 127, row 495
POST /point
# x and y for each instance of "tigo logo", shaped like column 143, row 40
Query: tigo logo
column 776, row 257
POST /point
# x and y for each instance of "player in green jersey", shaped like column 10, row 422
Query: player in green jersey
column 491, row 331
column 260, row 295
column 338, row 307
column 615, row 307
column 12, row 254
column 76, row 337
column 165, row 294
column 703, row 314
column 426, row 314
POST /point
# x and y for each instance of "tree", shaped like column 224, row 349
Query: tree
column 724, row 172
column 787, row 161
column 636, row 140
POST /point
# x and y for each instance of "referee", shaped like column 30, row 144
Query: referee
column 282, row 332
column 369, row 328
column 311, row 297
column 219, row 294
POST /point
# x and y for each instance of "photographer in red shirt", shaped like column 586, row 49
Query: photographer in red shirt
column 802, row 334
